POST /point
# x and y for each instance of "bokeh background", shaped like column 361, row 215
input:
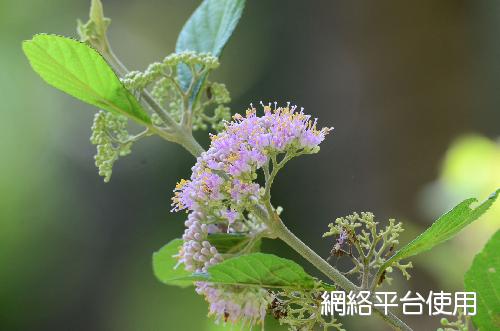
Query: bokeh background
column 412, row 89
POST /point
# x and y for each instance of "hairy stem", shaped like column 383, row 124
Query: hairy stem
column 279, row 229
column 165, row 117
column 294, row 242
column 181, row 133
column 176, row 132
column 186, row 139
column 393, row 320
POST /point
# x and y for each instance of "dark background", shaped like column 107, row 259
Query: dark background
column 399, row 81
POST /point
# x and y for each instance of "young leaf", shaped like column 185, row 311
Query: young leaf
column 258, row 269
column 231, row 242
column 208, row 30
column 446, row 226
column 224, row 242
column 79, row 70
column 164, row 265
column 483, row 277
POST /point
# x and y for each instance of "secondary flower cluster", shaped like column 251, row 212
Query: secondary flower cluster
column 236, row 304
column 112, row 140
column 369, row 246
column 222, row 191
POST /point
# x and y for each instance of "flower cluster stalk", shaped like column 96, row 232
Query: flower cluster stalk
column 279, row 230
column 178, row 133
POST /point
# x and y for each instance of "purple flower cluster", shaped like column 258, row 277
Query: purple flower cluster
column 222, row 179
column 236, row 303
column 222, row 189
column 226, row 302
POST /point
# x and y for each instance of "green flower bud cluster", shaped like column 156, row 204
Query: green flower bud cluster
column 219, row 93
column 358, row 237
column 216, row 96
column 203, row 109
column 203, row 62
column 166, row 93
column 109, row 134
column 301, row 310
column 461, row 324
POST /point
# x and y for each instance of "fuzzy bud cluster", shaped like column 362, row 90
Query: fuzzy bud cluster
column 110, row 135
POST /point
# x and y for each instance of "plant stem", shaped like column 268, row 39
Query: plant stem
column 165, row 117
column 121, row 70
column 177, row 134
column 294, row 242
column 278, row 228
column 393, row 320
column 187, row 141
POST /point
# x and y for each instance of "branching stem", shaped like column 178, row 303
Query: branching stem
column 177, row 133
column 174, row 132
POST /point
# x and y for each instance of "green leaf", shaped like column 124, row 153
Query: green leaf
column 446, row 226
column 258, row 269
column 208, row 30
column 483, row 277
column 164, row 265
column 79, row 70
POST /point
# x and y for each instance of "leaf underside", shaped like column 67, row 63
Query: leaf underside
column 483, row 277
column 208, row 30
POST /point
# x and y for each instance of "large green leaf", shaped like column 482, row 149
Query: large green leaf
column 164, row 265
column 79, row 70
column 483, row 277
column 446, row 226
column 258, row 269
column 208, row 30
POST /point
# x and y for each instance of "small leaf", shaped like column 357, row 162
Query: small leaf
column 446, row 226
column 224, row 242
column 208, row 30
column 232, row 242
column 258, row 269
column 96, row 15
column 483, row 277
column 79, row 70
column 164, row 265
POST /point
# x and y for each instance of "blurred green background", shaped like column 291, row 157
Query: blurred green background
column 412, row 89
